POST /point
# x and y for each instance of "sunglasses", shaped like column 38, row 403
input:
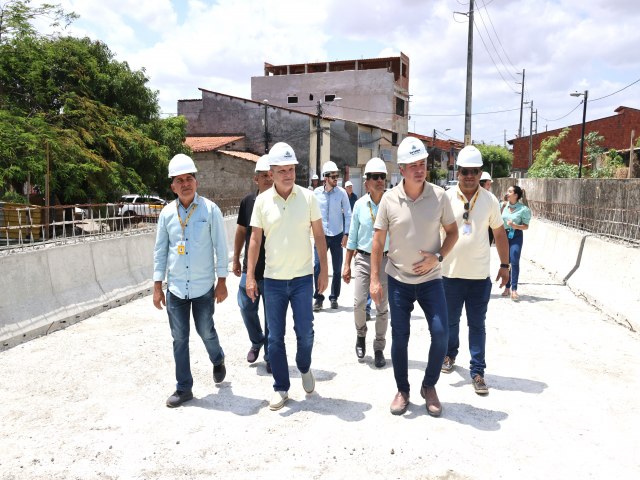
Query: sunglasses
column 376, row 176
column 465, row 215
column 332, row 177
column 469, row 171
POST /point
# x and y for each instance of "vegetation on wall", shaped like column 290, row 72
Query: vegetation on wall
column 547, row 162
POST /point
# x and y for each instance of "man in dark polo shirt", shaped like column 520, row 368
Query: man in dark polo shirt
column 248, row 308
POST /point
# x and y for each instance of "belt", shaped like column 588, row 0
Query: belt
column 367, row 254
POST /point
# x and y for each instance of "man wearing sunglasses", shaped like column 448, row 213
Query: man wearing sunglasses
column 412, row 213
column 336, row 219
column 360, row 241
column 466, row 268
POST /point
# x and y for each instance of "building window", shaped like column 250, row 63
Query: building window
column 329, row 98
column 292, row 99
column 311, row 97
column 399, row 107
column 365, row 139
column 386, row 155
column 394, row 138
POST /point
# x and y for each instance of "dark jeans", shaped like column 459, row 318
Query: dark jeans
column 334, row 245
column 474, row 295
column 430, row 297
column 515, row 247
column 178, row 310
column 249, row 311
column 278, row 294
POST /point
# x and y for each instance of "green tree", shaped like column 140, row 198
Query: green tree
column 547, row 162
column 96, row 118
column 496, row 160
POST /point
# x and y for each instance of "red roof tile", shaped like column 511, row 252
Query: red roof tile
column 208, row 144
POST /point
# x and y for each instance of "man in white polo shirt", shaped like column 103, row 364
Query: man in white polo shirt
column 412, row 213
column 285, row 213
column 466, row 268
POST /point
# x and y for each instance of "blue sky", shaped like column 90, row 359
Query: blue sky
column 564, row 45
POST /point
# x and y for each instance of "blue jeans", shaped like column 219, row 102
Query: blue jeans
column 179, row 310
column 430, row 297
column 515, row 247
column 249, row 312
column 334, row 244
column 278, row 294
column 474, row 295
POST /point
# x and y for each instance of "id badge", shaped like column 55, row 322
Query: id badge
column 181, row 248
column 466, row 229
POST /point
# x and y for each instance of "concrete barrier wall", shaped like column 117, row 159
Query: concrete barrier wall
column 605, row 273
column 48, row 289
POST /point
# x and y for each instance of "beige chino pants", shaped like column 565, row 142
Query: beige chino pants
column 362, row 279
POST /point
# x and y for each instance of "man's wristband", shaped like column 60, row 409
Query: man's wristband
column 506, row 265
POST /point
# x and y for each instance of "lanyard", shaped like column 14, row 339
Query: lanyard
column 373, row 217
column 472, row 203
column 186, row 222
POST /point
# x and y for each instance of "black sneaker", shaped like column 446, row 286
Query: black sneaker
column 178, row 398
column 334, row 304
column 379, row 359
column 219, row 372
column 360, row 347
column 317, row 305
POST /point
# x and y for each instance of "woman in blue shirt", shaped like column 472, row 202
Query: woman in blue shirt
column 516, row 218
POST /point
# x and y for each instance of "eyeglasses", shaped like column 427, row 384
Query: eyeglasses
column 465, row 215
column 332, row 177
column 376, row 176
column 469, row 171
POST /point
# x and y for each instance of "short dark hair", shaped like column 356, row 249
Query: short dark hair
column 517, row 190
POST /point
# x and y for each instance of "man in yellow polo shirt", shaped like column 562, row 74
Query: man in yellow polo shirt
column 465, row 270
column 285, row 213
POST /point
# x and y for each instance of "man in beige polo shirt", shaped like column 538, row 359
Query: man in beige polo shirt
column 285, row 213
column 412, row 213
column 466, row 268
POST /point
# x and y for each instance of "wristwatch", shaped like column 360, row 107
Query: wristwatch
column 438, row 256
column 506, row 265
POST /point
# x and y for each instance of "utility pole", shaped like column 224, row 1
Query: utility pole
column 467, row 107
column 521, row 105
column 531, row 135
column 318, row 138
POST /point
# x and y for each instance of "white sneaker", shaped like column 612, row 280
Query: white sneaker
column 308, row 382
column 278, row 400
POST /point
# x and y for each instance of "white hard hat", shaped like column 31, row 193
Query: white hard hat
column 282, row 154
column 328, row 168
column 262, row 165
column 485, row 176
column 375, row 165
column 469, row 156
column 315, row 177
column 348, row 184
column 411, row 150
column 181, row 164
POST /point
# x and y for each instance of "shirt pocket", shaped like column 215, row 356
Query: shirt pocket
column 200, row 232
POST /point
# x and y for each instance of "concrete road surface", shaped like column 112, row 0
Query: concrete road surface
column 88, row 402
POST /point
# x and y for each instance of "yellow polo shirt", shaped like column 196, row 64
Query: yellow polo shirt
column 470, row 257
column 413, row 226
column 286, row 225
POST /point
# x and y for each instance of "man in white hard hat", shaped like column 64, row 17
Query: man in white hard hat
column 248, row 308
column 359, row 245
column 466, row 268
column 336, row 219
column 314, row 182
column 485, row 181
column 191, row 246
column 412, row 214
column 348, row 186
column 284, row 213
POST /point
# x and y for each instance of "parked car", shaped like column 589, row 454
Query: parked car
column 450, row 184
column 140, row 205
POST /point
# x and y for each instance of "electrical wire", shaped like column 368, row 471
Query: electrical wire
column 496, row 34
column 492, row 60
column 564, row 116
column 502, row 62
column 617, row 91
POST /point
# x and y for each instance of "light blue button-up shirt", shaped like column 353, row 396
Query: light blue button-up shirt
column 192, row 274
column 362, row 221
column 335, row 209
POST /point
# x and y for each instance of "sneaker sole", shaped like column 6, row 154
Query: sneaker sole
column 279, row 405
column 447, row 370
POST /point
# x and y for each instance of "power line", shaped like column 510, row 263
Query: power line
column 492, row 60
column 617, row 91
column 564, row 116
column 496, row 34
column 494, row 45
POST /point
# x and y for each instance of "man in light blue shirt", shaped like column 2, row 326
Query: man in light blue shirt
column 359, row 246
column 191, row 251
column 336, row 219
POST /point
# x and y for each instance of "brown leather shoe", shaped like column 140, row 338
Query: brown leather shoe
column 400, row 403
column 433, row 404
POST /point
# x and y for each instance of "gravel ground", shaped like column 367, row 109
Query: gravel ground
column 88, row 402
